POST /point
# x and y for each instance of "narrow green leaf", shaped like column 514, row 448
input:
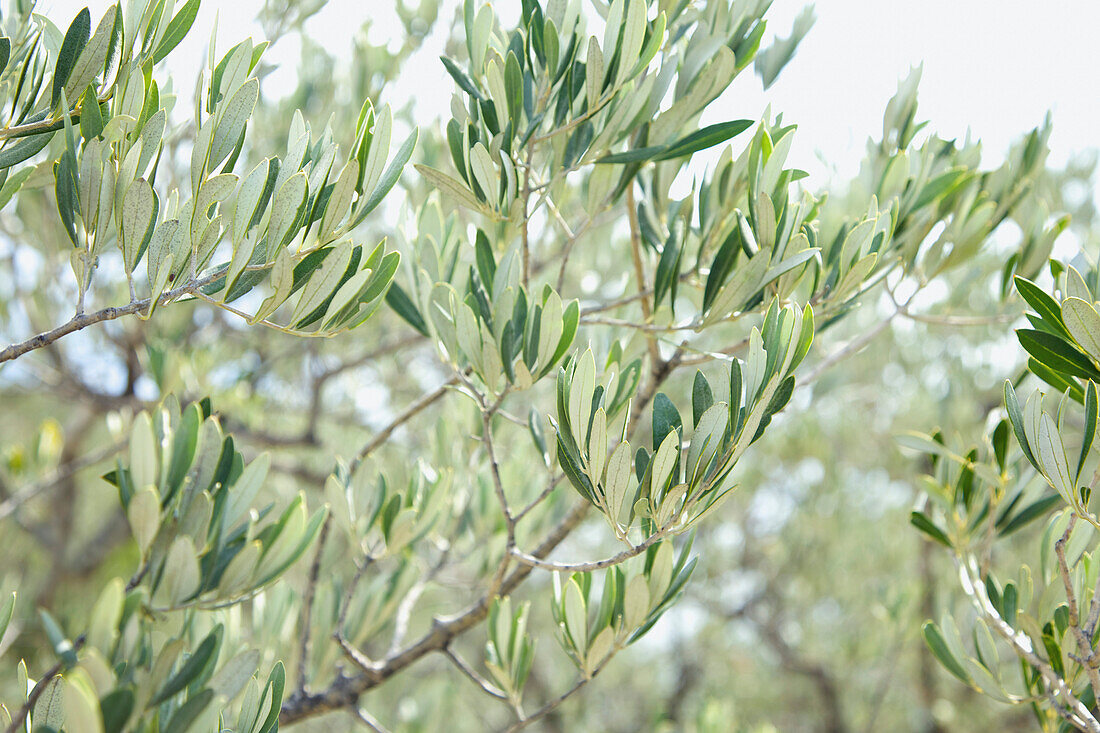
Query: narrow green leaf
column 701, row 398
column 636, row 155
column 447, row 185
column 1090, row 427
column 665, row 419
column 461, row 78
column 1057, row 354
column 402, row 305
column 1037, row 509
column 177, row 29
column 388, row 179
column 187, row 714
column 75, row 40
column 935, row 641
column 921, row 521
column 1047, row 307
column 941, row 186
column 190, row 669
column 1016, row 417
column 704, row 138
column 25, row 148
column 115, row 707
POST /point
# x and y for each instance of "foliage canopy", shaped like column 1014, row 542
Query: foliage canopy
column 302, row 414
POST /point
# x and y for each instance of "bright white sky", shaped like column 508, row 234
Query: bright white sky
column 995, row 68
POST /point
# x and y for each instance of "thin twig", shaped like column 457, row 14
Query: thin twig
column 80, row 322
column 852, row 347
column 410, row 412
column 487, row 687
column 587, row 567
column 345, row 690
column 487, row 412
column 16, row 500
column 1068, row 706
column 557, row 701
column 550, row 486
column 594, row 320
column 1087, row 654
column 369, row 720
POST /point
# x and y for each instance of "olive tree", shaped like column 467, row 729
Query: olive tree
column 476, row 451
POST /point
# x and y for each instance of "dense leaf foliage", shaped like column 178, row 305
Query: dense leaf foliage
column 571, row 320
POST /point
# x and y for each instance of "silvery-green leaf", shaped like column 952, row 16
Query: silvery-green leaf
column 182, row 575
column 199, row 155
column 285, row 208
column 151, row 136
column 746, row 280
column 468, row 333
column 143, row 452
column 599, row 650
column 597, row 446
column 485, row 173
column 234, row 674
column 1075, row 285
column 576, row 622
column 450, row 186
column 91, row 178
column 635, row 602
column 346, row 293
column 379, row 149
column 232, row 122
column 106, row 205
column 139, row 210
column 49, row 709
column 92, row 59
column 81, row 704
column 1083, row 323
column 246, row 488
column 233, row 74
column 340, row 199
column 282, row 280
column 660, row 572
column 323, row 282
column 593, row 74
column 706, row 440
column 284, row 545
column 143, row 514
column 105, row 615
column 580, row 396
column 633, row 36
column 238, row 575
column 618, row 481
column 1052, row 457
column 613, row 27
column 664, row 462
column 248, row 198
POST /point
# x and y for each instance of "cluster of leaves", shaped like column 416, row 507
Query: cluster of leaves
column 545, row 83
column 667, row 489
column 1046, row 616
column 154, row 651
column 497, row 330
column 287, row 221
column 591, row 631
column 549, row 123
